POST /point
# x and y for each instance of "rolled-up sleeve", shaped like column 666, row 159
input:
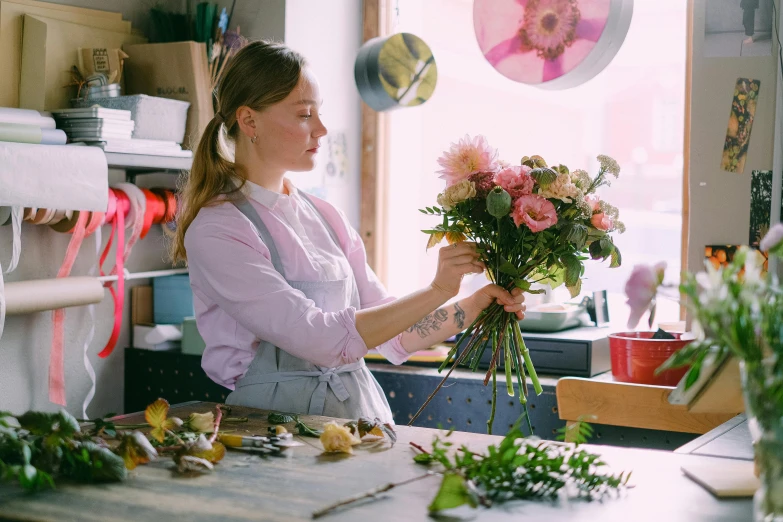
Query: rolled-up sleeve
column 242, row 281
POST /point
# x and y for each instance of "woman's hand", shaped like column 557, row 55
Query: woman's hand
column 454, row 261
column 513, row 301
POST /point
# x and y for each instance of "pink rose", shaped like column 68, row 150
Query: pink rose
column 534, row 211
column 516, row 180
column 593, row 201
column 602, row 221
column 641, row 288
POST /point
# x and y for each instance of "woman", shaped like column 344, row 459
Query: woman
column 284, row 299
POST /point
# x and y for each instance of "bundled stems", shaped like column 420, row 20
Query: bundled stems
column 491, row 419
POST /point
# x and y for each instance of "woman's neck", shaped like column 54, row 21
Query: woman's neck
column 258, row 172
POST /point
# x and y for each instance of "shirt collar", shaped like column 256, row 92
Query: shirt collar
column 269, row 198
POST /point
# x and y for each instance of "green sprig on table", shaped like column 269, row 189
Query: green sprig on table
column 517, row 469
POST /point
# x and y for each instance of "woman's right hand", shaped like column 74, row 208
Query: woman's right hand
column 454, row 261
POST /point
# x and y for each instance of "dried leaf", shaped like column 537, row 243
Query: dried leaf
column 155, row 415
column 455, row 237
column 434, row 239
column 214, row 455
column 187, row 463
column 135, row 449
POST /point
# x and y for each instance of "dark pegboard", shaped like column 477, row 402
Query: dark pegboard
column 463, row 403
column 175, row 376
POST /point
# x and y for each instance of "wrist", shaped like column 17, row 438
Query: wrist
column 444, row 294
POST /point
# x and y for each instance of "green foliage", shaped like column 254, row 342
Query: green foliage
column 517, row 469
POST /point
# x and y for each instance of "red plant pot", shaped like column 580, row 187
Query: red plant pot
column 635, row 356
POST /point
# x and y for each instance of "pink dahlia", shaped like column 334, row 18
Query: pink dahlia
column 484, row 182
column 516, row 180
column 535, row 41
column 534, row 211
column 467, row 157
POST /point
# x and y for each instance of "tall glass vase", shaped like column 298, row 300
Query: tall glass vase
column 759, row 382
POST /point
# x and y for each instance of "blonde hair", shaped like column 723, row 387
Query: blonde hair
column 261, row 74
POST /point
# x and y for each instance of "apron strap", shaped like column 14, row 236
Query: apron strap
column 244, row 206
column 327, row 379
column 329, row 227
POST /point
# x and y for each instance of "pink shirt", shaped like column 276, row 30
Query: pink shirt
column 240, row 298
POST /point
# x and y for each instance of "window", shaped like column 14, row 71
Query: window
column 632, row 111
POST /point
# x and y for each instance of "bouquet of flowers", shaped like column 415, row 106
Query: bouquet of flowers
column 532, row 223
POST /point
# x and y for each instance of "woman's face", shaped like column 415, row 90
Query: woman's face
column 289, row 131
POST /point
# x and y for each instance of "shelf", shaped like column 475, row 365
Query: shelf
column 139, row 163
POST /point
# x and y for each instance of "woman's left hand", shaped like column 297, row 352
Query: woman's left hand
column 513, row 301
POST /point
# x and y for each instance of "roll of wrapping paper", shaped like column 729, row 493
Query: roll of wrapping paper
column 24, row 297
column 18, row 133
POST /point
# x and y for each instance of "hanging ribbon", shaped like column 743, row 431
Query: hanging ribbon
column 93, row 228
column 56, row 363
column 119, row 205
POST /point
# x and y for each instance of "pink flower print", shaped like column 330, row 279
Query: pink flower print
column 536, row 41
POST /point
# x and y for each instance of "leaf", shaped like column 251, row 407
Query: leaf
column 454, row 237
column 508, row 268
column 280, row 418
column 102, row 464
column 389, row 431
column 307, row 431
column 423, row 458
column 576, row 289
column 607, row 247
column 155, row 415
column 135, row 449
column 573, row 269
column 617, row 259
column 595, row 250
column 435, row 238
column 555, row 277
column 453, row 493
column 40, row 423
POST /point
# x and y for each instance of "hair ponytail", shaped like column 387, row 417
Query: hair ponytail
column 259, row 75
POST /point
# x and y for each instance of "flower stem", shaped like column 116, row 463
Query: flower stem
column 528, row 363
column 508, row 363
column 491, row 419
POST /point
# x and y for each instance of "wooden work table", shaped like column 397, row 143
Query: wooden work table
column 245, row 487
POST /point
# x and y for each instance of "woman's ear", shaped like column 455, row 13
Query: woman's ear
column 246, row 119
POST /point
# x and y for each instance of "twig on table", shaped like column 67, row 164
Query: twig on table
column 370, row 494
column 419, row 447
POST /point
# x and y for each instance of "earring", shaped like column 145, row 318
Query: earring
column 253, row 139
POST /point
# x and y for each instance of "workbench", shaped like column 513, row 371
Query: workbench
column 247, row 487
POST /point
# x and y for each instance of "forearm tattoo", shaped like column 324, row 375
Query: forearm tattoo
column 430, row 323
column 459, row 316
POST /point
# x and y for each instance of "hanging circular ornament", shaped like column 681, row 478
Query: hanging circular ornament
column 551, row 44
column 395, row 71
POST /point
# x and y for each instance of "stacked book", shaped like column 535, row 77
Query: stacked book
column 112, row 130
column 29, row 126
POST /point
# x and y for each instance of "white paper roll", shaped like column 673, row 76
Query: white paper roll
column 69, row 177
column 24, row 297
column 27, row 117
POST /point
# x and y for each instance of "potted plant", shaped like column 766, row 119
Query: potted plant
column 738, row 310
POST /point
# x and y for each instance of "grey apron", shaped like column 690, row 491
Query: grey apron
column 276, row 380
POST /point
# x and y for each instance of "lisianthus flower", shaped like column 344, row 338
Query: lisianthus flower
column 467, row 157
column 602, row 222
column 536, row 212
column 562, row 188
column 641, row 289
column 516, row 180
column 593, row 201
